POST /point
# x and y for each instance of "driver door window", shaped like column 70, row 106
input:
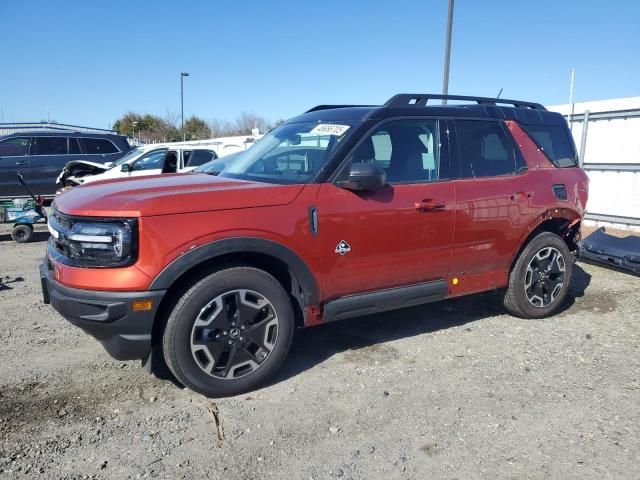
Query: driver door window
column 14, row 147
column 408, row 150
column 151, row 161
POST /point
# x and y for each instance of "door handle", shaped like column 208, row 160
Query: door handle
column 22, row 162
column 428, row 205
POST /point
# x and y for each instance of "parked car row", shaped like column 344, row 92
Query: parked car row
column 141, row 161
column 40, row 156
column 51, row 162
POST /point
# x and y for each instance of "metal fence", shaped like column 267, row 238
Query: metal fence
column 7, row 128
column 613, row 164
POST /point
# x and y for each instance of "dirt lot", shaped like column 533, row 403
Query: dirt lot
column 450, row 390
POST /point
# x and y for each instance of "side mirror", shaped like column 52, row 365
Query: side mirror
column 295, row 140
column 125, row 168
column 365, row 176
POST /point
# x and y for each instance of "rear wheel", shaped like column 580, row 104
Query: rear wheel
column 229, row 332
column 539, row 281
column 22, row 233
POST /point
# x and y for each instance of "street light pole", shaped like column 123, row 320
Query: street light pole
column 182, row 75
column 133, row 134
column 447, row 53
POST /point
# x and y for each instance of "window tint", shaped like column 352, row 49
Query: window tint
column 409, row 151
column 51, row 146
column 151, row 161
column 74, row 146
column 485, row 149
column 555, row 142
column 97, row 146
column 16, row 146
column 198, row 157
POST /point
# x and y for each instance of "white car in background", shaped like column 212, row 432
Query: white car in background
column 141, row 161
column 155, row 159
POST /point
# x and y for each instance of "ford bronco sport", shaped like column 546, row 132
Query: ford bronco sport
column 342, row 211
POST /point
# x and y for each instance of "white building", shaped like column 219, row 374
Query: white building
column 607, row 135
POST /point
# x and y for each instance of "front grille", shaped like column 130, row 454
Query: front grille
column 61, row 224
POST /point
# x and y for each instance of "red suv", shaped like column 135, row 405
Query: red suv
column 342, row 211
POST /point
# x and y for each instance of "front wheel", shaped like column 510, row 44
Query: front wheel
column 229, row 332
column 22, row 233
column 539, row 281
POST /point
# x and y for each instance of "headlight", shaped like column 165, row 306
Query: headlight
column 100, row 243
column 88, row 243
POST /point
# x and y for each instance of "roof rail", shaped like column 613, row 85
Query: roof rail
column 329, row 107
column 421, row 99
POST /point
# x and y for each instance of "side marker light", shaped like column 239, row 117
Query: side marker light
column 142, row 305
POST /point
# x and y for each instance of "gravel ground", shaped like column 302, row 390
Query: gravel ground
column 454, row 390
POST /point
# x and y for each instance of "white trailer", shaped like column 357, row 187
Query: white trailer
column 607, row 135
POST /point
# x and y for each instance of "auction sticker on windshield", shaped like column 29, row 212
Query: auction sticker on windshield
column 329, row 129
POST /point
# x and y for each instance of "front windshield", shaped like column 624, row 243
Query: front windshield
column 132, row 153
column 291, row 153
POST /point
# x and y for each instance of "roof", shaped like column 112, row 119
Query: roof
column 58, row 133
column 417, row 105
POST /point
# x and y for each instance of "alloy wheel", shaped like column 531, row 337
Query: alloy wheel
column 544, row 277
column 234, row 334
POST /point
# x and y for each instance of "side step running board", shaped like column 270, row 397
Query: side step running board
column 383, row 300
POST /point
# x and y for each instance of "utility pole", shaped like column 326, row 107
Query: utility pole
column 182, row 75
column 571, row 104
column 447, row 53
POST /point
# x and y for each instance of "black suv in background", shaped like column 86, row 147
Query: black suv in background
column 41, row 156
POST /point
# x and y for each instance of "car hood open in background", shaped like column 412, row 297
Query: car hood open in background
column 77, row 169
column 171, row 194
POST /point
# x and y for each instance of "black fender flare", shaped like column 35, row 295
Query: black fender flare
column 209, row 251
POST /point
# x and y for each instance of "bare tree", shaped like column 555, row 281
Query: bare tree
column 247, row 121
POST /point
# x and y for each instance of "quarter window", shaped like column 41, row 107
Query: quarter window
column 14, row 147
column 555, row 142
column 408, row 150
column 485, row 149
column 51, row 146
column 97, row 146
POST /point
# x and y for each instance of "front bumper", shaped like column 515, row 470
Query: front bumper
column 107, row 316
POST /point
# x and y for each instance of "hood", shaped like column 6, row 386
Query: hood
column 170, row 194
column 77, row 169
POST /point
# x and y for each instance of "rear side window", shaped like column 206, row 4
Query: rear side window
column 50, row 146
column 97, row 146
column 14, row 147
column 199, row 157
column 485, row 149
column 555, row 142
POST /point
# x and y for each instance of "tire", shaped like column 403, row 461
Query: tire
column 543, row 264
column 22, row 233
column 242, row 310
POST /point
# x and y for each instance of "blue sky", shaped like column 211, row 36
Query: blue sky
column 91, row 61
